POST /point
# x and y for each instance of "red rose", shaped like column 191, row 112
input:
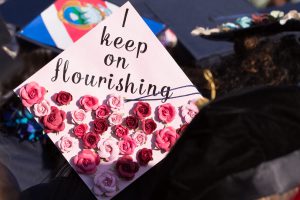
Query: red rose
column 63, row 98
column 126, row 167
column 54, row 122
column 144, row 156
column 86, row 161
column 121, row 131
column 80, row 130
column 102, row 111
column 90, row 140
column 100, row 125
column 182, row 128
column 142, row 110
column 131, row 122
column 148, row 126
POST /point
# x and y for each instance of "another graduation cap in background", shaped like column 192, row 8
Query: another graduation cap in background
column 64, row 22
column 183, row 16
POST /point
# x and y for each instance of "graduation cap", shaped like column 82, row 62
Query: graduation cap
column 184, row 16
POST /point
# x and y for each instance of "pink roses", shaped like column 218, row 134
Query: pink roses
column 86, row 162
column 41, row 109
column 80, row 130
column 115, row 102
column 127, row 145
column 102, row 111
column 89, row 102
column 105, row 184
column 54, row 122
column 63, row 98
column 166, row 138
column 78, row 116
column 189, row 111
column 90, row 140
column 142, row 110
column 121, row 131
column 31, row 94
column 66, row 144
column 126, row 167
column 108, row 149
column 166, row 113
column 148, row 126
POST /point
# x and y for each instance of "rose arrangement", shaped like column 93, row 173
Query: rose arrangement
column 111, row 135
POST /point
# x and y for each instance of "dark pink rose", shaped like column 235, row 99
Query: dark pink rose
column 63, row 98
column 142, row 110
column 127, row 145
column 89, row 102
column 54, row 122
column 80, row 130
column 102, row 111
column 31, row 94
column 131, row 122
column 166, row 113
column 86, row 162
column 126, row 167
column 148, row 126
column 90, row 140
column 166, row 138
column 100, row 126
column 144, row 156
column 121, row 131
column 182, row 128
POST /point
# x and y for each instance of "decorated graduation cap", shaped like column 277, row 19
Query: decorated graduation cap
column 261, row 24
column 64, row 22
column 112, row 102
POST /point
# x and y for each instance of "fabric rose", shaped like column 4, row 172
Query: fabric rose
column 66, row 144
column 189, row 111
column 139, row 137
column 127, row 145
column 108, row 149
column 54, row 122
column 100, row 126
column 166, row 113
column 63, row 98
column 131, row 122
column 121, row 131
column 31, row 94
column 126, row 167
column 90, row 140
column 166, row 138
column 105, row 184
column 181, row 129
column 142, row 110
column 115, row 119
column 86, row 162
column 148, row 126
column 102, row 111
column 78, row 116
column 89, row 102
column 80, row 130
column 115, row 102
column 42, row 109
column 144, row 156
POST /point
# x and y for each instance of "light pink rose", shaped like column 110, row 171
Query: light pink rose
column 78, row 116
column 166, row 138
column 31, row 94
column 42, row 109
column 127, row 145
column 89, row 102
column 115, row 102
column 139, row 137
column 166, row 113
column 108, row 149
column 102, row 111
column 115, row 119
column 189, row 111
column 66, row 144
column 105, row 184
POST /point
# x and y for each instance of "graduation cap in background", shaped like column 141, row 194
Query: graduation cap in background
column 184, row 16
column 64, row 22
